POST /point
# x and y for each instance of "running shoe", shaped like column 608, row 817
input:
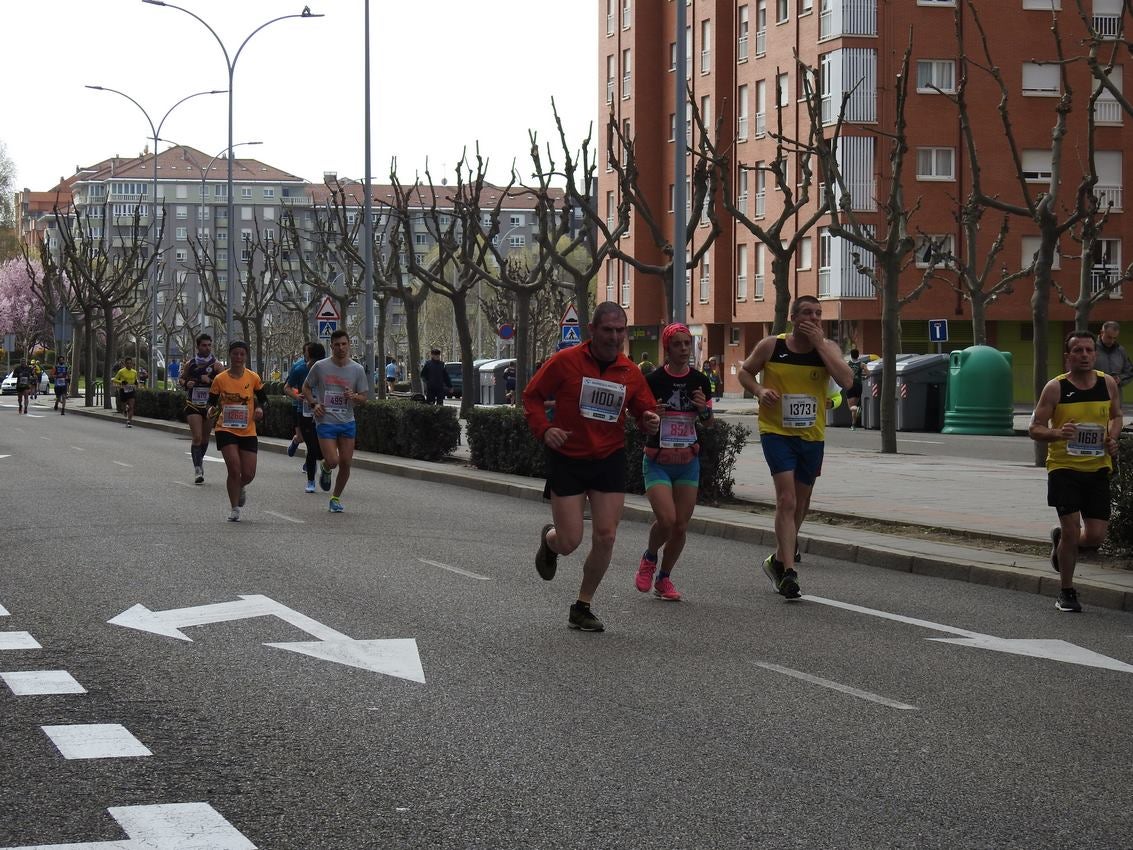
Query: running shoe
column 324, row 477
column 1055, row 539
column 335, row 506
column 199, row 475
column 128, row 424
column 798, row 556
column 774, row 571
column 789, row 584
column 644, row 577
column 664, row 589
column 547, row 559
column 234, row 516
column 1068, row 601
column 582, row 619
column 292, row 447
column 310, row 488
column 243, row 500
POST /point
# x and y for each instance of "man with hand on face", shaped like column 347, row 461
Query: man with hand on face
column 592, row 385
column 1079, row 418
column 796, row 369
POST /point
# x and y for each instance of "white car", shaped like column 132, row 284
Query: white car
column 8, row 387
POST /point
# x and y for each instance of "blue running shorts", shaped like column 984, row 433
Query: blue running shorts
column 787, row 454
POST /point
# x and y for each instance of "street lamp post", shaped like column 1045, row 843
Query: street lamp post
column 155, row 132
column 230, row 64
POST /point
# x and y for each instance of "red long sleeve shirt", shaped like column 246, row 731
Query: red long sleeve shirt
column 586, row 404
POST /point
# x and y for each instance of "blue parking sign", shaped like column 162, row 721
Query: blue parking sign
column 938, row 330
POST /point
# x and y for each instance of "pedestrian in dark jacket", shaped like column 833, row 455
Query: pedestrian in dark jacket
column 435, row 378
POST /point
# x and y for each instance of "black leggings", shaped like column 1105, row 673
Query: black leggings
column 311, row 441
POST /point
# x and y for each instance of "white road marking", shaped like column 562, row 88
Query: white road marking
column 1053, row 650
column 34, row 415
column 3, row 611
column 4, row 456
column 170, row 826
column 127, row 465
column 18, row 640
column 288, row 518
column 835, row 686
column 186, row 484
column 44, row 438
column 456, row 570
column 209, row 459
column 391, row 657
column 926, row 442
column 39, row 682
column 78, row 448
column 95, row 741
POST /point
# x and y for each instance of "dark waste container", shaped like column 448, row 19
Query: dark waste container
column 493, row 381
column 871, row 392
column 921, row 384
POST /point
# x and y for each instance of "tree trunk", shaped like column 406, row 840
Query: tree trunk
column 890, row 341
column 108, row 354
column 471, row 391
column 522, row 344
column 413, row 336
column 380, row 353
column 979, row 317
column 1040, row 312
column 781, row 278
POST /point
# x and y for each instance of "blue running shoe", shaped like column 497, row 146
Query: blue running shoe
column 335, row 506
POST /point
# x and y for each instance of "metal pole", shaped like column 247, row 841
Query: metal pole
column 680, row 193
column 368, row 226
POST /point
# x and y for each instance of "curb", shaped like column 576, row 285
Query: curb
column 1104, row 588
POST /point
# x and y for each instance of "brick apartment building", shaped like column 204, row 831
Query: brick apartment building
column 740, row 60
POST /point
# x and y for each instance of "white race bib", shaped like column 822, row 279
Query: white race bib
column 200, row 396
column 799, row 410
column 307, row 411
column 60, row 382
column 601, row 400
column 235, row 416
column 334, row 398
column 678, row 430
column 1088, row 441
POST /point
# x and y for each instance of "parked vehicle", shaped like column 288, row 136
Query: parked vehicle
column 8, row 387
column 456, row 375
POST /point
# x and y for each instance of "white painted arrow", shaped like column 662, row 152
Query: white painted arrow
column 396, row 657
column 1052, row 650
column 177, row 826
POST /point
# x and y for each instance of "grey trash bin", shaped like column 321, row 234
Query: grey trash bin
column 871, row 392
column 493, row 383
column 921, row 384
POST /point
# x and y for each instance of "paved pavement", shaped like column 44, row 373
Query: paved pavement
column 1002, row 498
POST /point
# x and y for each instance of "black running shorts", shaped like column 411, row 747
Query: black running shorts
column 569, row 476
column 1070, row 491
column 245, row 444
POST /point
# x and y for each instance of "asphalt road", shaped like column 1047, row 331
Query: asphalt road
column 730, row 719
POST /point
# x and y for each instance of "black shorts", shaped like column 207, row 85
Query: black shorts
column 1070, row 491
column 855, row 390
column 245, row 444
column 60, row 392
column 569, row 476
column 127, row 395
column 297, row 416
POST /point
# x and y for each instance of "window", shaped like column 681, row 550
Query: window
column 804, row 253
column 742, row 26
column 741, row 113
column 1037, row 166
column 611, row 281
column 269, row 234
column 741, row 272
column 936, row 3
column 221, row 191
column 760, row 190
column 934, row 74
column 1106, row 266
column 760, row 108
column 626, row 72
column 246, row 192
column 688, row 52
column 182, row 211
column 825, row 253
column 516, row 219
column 182, row 192
column 1043, row 5
column 626, row 14
column 517, row 240
column 672, row 56
column 181, row 234
column 760, row 27
column 420, row 238
column 705, row 279
column 269, row 194
column 245, row 213
column 782, row 11
column 936, row 164
column 806, row 7
column 706, row 112
column 269, row 213
column 935, row 249
column 783, row 88
column 741, row 190
column 1107, row 109
column 611, row 75
column 672, row 197
column 1042, row 80
column 672, row 126
column 705, row 46
column 760, row 261
column 609, row 17
column 1109, row 188
column 1031, row 245
column 627, row 283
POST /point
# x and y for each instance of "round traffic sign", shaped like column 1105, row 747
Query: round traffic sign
column 507, row 331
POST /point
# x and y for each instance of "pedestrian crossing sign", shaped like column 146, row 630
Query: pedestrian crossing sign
column 327, row 327
column 571, row 334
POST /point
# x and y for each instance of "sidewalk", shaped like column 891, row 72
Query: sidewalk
column 949, row 493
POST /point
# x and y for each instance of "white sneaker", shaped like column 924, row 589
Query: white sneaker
column 234, row 516
column 200, row 474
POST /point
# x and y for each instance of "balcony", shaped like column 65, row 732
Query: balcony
column 741, row 287
column 705, row 289
column 705, row 61
column 1107, row 26
column 741, row 128
column 296, row 200
column 760, row 42
column 625, row 86
column 1109, row 197
column 759, row 286
column 760, row 204
column 1103, row 277
column 760, row 124
column 741, row 49
column 1108, row 111
column 609, row 91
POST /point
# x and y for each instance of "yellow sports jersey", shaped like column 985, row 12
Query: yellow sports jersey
column 1089, row 409
column 801, row 381
column 237, row 404
column 126, row 377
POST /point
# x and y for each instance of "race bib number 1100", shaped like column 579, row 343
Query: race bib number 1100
column 601, row 400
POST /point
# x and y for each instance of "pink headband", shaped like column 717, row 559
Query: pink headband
column 669, row 331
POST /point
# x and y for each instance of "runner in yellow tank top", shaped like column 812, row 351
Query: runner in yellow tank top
column 796, row 368
column 1079, row 418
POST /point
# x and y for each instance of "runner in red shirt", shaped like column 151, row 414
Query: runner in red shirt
column 592, row 385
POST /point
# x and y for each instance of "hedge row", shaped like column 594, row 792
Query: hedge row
column 500, row 441
column 394, row 426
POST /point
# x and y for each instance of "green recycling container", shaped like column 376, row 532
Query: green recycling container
column 980, row 393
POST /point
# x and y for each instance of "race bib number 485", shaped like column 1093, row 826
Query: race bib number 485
column 601, row 400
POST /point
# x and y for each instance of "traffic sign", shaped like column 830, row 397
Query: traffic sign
column 571, row 335
column 327, row 327
column 570, row 316
column 507, row 331
column 938, row 330
column 328, row 309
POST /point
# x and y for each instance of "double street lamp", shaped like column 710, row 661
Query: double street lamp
column 155, row 132
column 230, row 64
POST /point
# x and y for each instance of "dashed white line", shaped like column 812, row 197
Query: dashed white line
column 456, row 570
column 186, row 484
column 3, row 611
column 78, row 448
column 25, row 683
column 127, row 465
column 18, row 640
column 95, row 741
column 827, row 683
column 288, row 518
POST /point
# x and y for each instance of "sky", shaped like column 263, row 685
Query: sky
column 445, row 75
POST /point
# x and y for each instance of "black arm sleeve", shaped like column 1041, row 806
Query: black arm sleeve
column 262, row 397
column 214, row 399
